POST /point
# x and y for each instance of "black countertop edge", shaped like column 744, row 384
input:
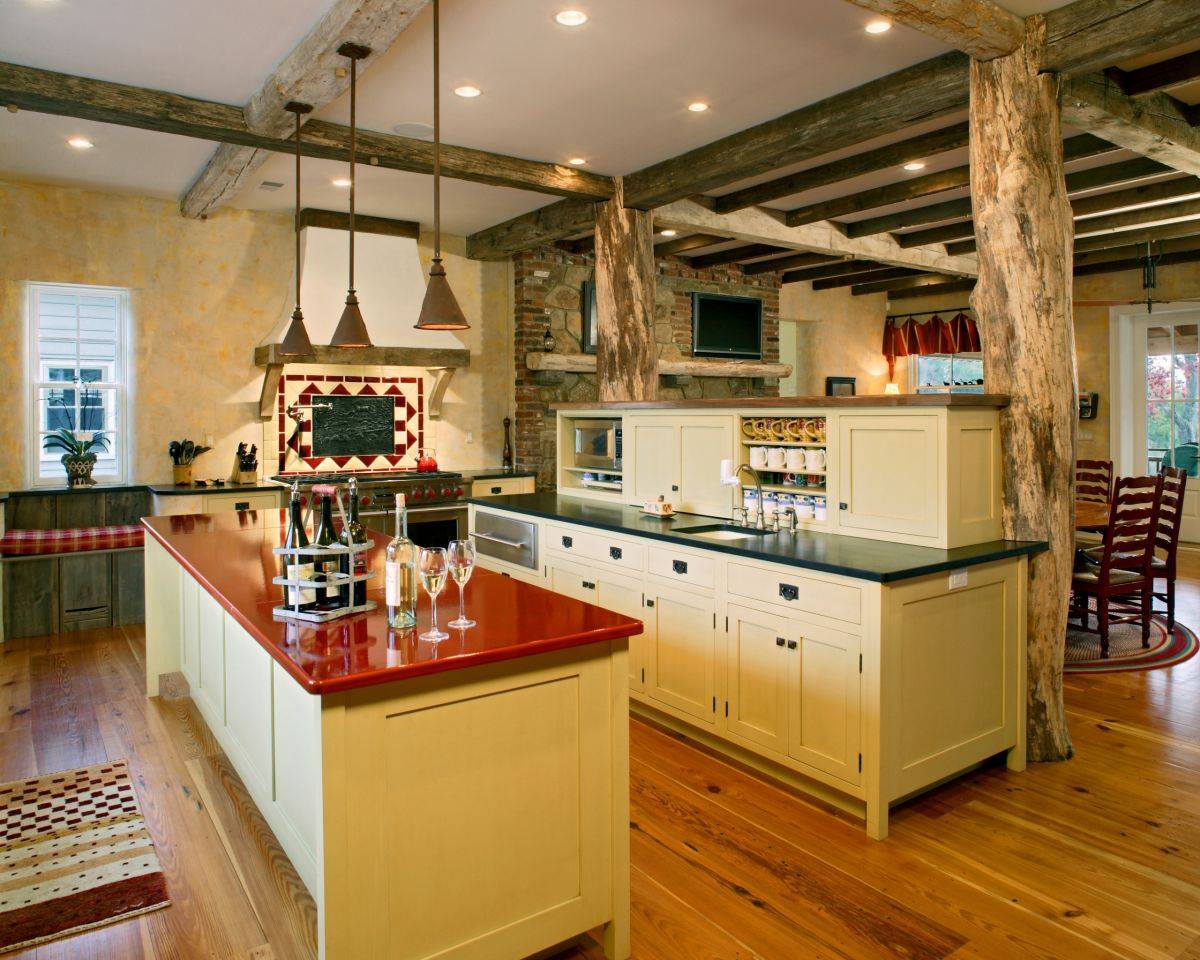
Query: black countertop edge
column 140, row 487
column 170, row 488
column 495, row 473
column 881, row 561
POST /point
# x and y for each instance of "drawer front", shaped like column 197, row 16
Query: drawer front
column 584, row 544
column 506, row 538
column 684, row 568
column 772, row 585
column 174, row 505
column 502, row 486
column 260, row 500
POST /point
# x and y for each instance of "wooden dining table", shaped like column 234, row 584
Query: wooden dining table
column 1091, row 515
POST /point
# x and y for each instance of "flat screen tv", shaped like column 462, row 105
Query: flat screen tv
column 725, row 326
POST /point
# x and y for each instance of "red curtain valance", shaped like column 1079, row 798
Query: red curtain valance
column 904, row 337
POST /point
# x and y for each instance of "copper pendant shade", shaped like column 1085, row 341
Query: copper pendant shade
column 440, row 309
column 295, row 341
column 351, row 329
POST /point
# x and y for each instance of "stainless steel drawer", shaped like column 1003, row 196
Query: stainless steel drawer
column 506, row 538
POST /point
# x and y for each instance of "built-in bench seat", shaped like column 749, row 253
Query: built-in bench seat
column 16, row 544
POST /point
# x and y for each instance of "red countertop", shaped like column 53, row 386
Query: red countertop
column 229, row 554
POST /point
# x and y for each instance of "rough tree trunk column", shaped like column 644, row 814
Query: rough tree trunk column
column 626, row 354
column 1023, row 228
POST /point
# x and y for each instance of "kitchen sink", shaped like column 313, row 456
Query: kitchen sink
column 723, row 531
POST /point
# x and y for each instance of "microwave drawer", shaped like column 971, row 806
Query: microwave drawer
column 506, row 538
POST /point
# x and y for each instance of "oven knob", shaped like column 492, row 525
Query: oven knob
column 447, row 491
column 417, row 493
column 365, row 501
column 303, row 500
column 458, row 491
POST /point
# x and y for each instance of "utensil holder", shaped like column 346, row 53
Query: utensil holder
column 183, row 474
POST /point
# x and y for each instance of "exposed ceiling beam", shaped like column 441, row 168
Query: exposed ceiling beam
column 1127, row 250
column 309, row 74
column 919, row 93
column 1155, row 125
column 839, row 269
column 978, row 27
column 579, row 245
column 1134, row 263
column 1158, row 76
column 1110, row 241
column 1075, row 148
column 865, row 276
column 44, row 91
column 933, row 290
column 1093, row 34
column 681, row 244
column 795, row 260
column 340, row 220
column 746, row 252
column 759, row 225
column 1126, row 171
column 919, row 282
column 1161, row 214
column 882, row 158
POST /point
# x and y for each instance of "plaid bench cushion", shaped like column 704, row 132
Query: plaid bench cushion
column 18, row 543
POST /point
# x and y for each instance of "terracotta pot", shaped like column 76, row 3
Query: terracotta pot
column 79, row 469
column 183, row 474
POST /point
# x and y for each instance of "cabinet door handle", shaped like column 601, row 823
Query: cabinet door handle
column 568, row 542
column 242, row 505
column 588, row 585
column 789, row 591
column 779, row 641
column 649, row 603
column 675, row 487
column 614, row 552
column 843, row 506
column 496, row 489
column 679, row 566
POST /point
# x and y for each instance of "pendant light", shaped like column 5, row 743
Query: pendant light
column 296, row 342
column 440, row 310
column 351, row 330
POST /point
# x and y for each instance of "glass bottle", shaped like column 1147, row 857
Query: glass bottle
column 329, row 597
column 400, row 572
column 353, row 594
column 297, row 567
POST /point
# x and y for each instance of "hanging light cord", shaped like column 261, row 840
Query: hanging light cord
column 353, row 73
column 437, row 134
column 297, row 225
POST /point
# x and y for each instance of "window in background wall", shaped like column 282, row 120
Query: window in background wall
column 78, row 378
column 948, row 373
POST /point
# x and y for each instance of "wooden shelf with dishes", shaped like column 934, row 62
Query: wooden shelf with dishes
column 798, row 446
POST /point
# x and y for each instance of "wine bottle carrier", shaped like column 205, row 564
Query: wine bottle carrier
column 314, row 554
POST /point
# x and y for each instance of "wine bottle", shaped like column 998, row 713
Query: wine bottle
column 354, row 594
column 297, row 567
column 328, row 597
column 400, row 572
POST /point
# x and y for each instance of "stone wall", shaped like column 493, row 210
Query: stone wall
column 546, row 290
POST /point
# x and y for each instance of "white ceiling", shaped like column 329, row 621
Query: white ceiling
column 614, row 91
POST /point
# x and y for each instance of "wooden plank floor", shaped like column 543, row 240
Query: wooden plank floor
column 1095, row 858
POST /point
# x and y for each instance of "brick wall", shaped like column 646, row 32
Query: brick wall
column 547, row 285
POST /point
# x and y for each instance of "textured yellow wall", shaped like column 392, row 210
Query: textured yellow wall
column 204, row 293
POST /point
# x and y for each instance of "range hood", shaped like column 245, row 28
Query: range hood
column 391, row 286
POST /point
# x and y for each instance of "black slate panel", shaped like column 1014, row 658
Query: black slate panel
column 354, row 426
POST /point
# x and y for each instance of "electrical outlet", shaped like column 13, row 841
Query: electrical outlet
column 470, row 436
column 1085, row 434
column 958, row 579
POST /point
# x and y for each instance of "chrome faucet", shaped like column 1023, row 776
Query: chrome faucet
column 761, row 522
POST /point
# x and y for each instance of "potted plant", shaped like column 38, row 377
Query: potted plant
column 78, row 447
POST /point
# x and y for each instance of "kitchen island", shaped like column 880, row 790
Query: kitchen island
column 467, row 799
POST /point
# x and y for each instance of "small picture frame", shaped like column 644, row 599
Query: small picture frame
column 587, row 314
column 839, row 386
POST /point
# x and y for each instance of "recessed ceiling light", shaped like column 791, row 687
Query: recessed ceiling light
column 80, row 143
column 571, row 18
column 698, row 107
column 577, row 161
column 668, row 233
column 878, row 26
column 915, row 165
column 342, row 182
column 467, row 91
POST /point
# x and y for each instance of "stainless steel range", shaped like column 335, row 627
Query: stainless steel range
column 437, row 510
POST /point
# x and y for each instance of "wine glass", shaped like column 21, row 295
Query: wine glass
column 462, row 563
column 432, row 568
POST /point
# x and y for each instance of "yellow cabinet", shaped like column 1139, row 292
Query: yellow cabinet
column 679, row 458
column 612, row 592
column 681, row 668
column 824, row 697
column 210, row 692
column 758, row 676
column 891, row 474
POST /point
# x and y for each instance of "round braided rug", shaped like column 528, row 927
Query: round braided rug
column 1125, row 648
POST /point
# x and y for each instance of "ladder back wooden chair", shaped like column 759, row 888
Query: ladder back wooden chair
column 1119, row 575
column 1094, row 480
column 1170, row 514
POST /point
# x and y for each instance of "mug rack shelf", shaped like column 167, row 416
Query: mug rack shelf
column 785, row 443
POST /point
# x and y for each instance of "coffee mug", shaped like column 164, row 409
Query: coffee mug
column 796, row 461
column 762, row 429
column 758, row 457
column 779, row 429
column 814, row 459
column 814, row 429
column 795, row 428
column 748, row 429
column 776, row 458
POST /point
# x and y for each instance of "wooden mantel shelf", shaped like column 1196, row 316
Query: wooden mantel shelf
column 439, row 362
column 692, row 367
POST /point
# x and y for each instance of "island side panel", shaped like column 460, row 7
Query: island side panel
column 163, row 576
column 478, row 814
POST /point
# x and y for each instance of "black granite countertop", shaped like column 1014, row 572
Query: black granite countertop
column 495, row 473
column 878, row 560
column 170, row 488
column 138, row 487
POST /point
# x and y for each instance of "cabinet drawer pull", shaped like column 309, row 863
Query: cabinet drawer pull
column 614, row 552
column 789, row 591
column 779, row 641
column 242, row 505
column 496, row 489
column 649, row 603
column 588, row 585
column 843, row 506
column 679, row 566
column 568, row 542
column 792, row 644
